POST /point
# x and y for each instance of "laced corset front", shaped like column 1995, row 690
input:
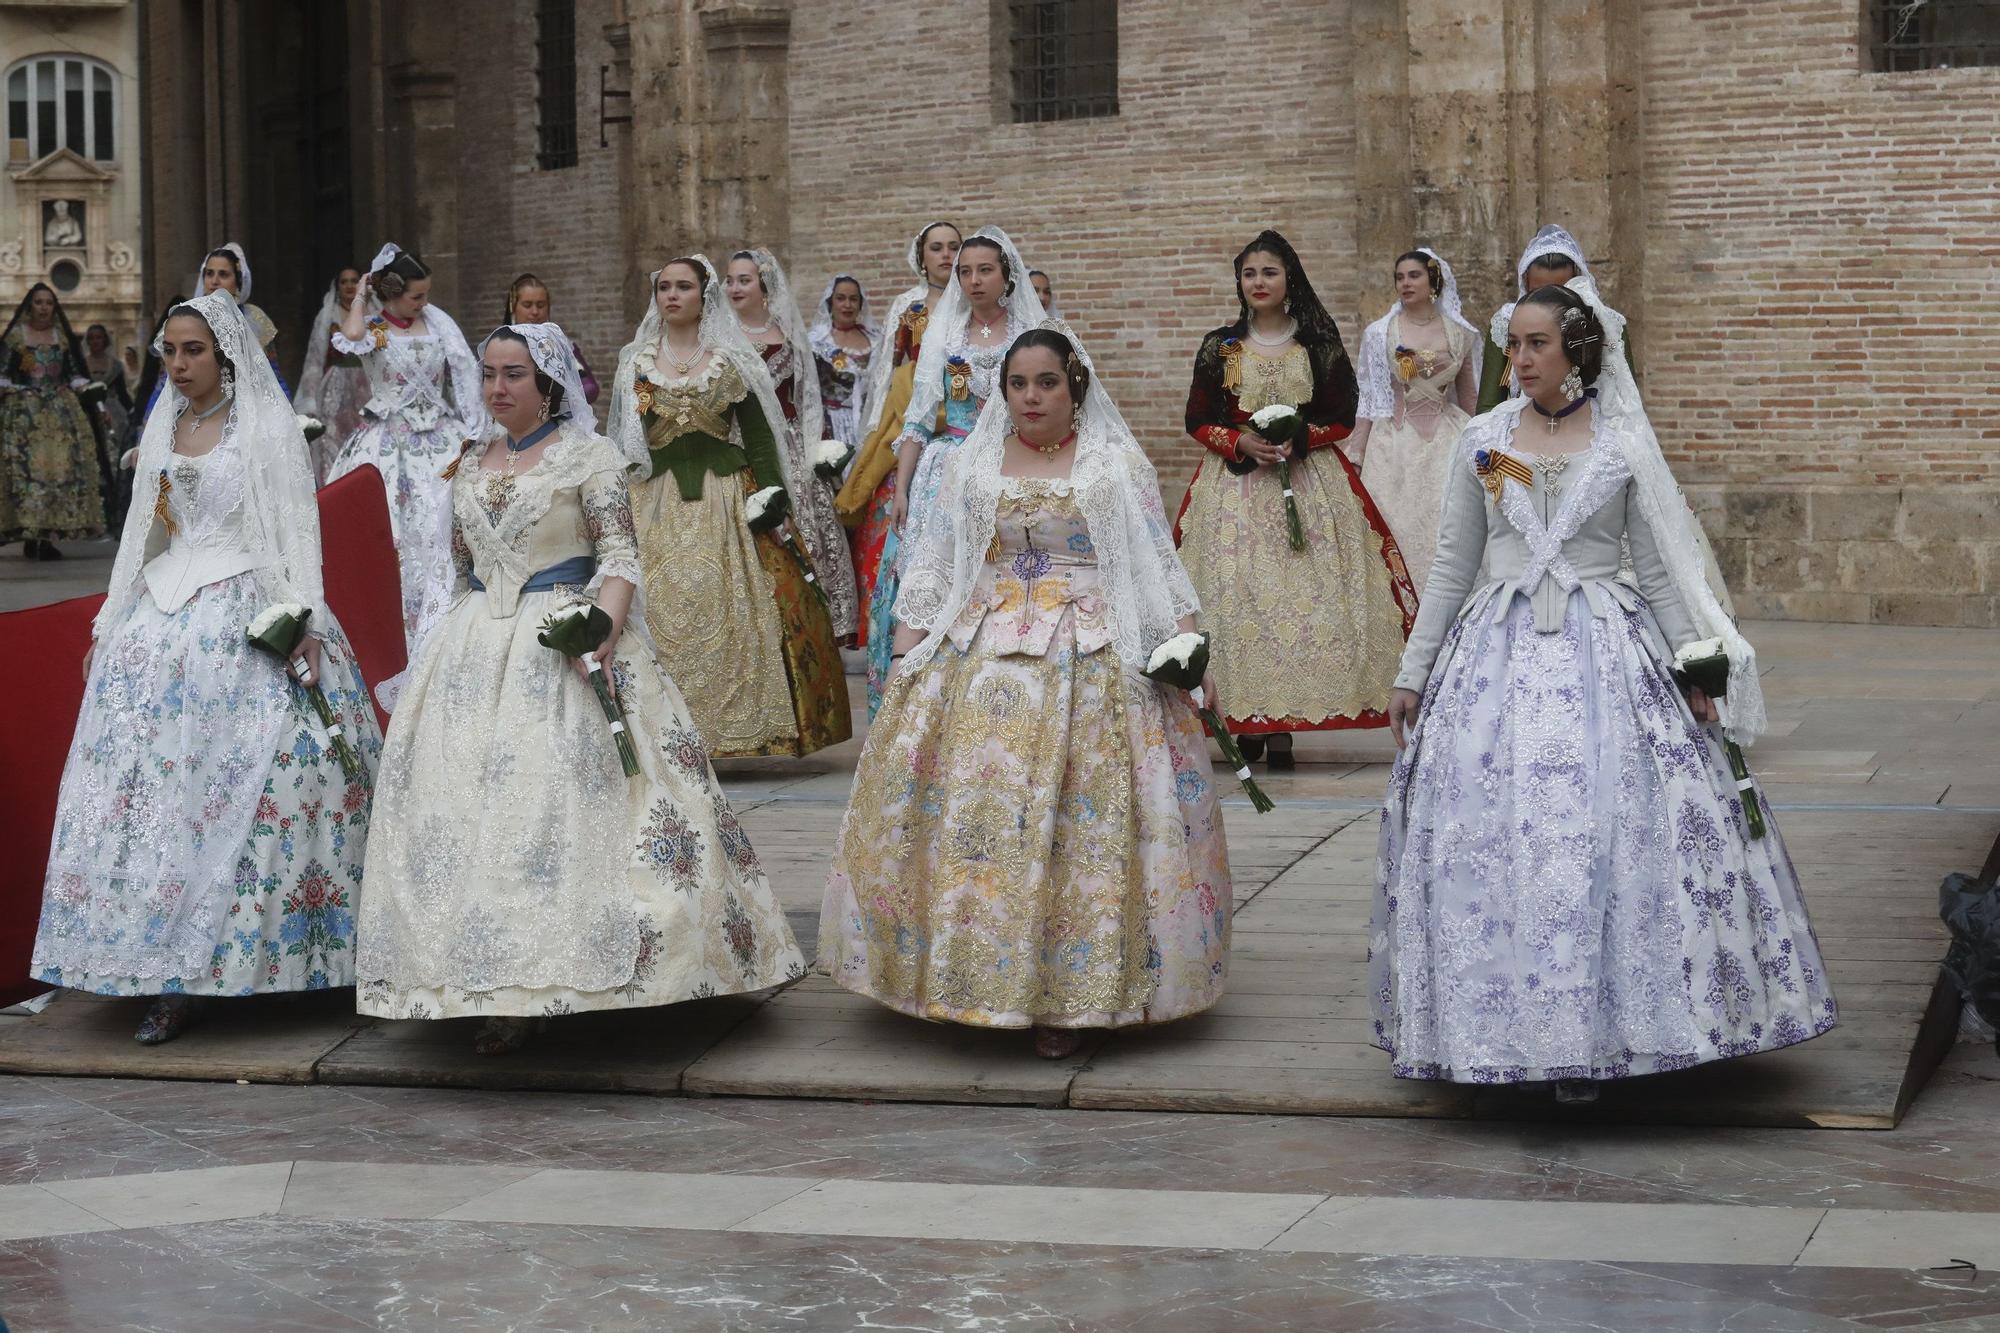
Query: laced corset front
column 1423, row 379
column 407, row 378
column 1040, row 568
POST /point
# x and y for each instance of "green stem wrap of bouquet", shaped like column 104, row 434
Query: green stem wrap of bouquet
column 577, row 632
column 279, row 630
column 768, row 511
column 1709, row 673
column 1181, row 662
column 1285, row 427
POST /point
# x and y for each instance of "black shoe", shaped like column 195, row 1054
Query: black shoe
column 49, row 552
column 28, row 549
column 165, row 1020
column 1281, row 754
column 1252, row 747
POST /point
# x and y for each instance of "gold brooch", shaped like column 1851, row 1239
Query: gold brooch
column 1495, row 467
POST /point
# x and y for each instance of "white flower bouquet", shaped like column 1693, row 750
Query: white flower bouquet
column 1283, row 426
column 766, row 511
column 279, row 629
column 1182, row 662
column 576, row 632
column 312, row 426
column 1704, row 666
column 831, row 458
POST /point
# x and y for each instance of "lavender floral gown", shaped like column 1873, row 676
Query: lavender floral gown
column 1566, row 888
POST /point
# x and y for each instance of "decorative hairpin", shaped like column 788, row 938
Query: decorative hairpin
column 1570, row 319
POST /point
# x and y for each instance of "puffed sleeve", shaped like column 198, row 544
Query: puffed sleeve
column 1651, row 568
column 1461, row 544
column 362, row 346
column 607, row 519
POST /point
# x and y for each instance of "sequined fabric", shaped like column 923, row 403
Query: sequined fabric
column 204, row 840
column 1033, row 836
column 516, row 869
column 1410, row 453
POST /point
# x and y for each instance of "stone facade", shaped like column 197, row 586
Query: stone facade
column 1803, row 246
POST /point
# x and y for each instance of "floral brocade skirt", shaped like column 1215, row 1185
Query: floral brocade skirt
column 1031, row 840
column 49, row 482
column 1299, row 640
column 412, row 464
column 1567, row 888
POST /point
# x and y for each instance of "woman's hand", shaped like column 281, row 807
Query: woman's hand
column 1702, row 707
column 1209, row 698
column 305, row 662
column 89, row 656
column 1260, row 450
column 603, row 654
column 1403, row 715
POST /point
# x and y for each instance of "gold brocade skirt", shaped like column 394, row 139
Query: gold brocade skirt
column 1299, row 640
column 743, row 635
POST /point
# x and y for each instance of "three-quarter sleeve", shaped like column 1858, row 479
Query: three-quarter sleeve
column 1208, row 403
column 1336, row 395
column 1461, row 545
column 1651, row 568
column 758, row 443
column 607, row 520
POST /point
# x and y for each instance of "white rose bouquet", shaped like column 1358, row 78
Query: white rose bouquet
column 279, row 630
column 312, row 426
column 831, row 458
column 767, row 511
column 578, row 631
column 1705, row 666
column 1283, row 425
column 1181, row 662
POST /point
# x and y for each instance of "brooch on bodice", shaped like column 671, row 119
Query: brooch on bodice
column 1232, row 364
column 958, row 378
column 378, row 332
column 1495, row 467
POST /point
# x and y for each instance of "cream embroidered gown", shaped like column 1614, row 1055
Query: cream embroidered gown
column 1410, row 453
column 515, row 869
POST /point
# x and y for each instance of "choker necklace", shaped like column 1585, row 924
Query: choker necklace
column 1051, row 449
column 217, row 406
column 759, row 330
column 1291, row 328
column 1553, row 420
column 398, row 320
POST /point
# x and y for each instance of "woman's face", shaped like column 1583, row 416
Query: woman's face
column 743, row 286
column 411, row 301
column 531, row 304
column 845, row 304
column 980, row 276
column 1038, row 397
column 218, row 274
column 1548, row 275
column 1413, row 282
column 677, row 291
column 507, row 383
column 940, row 252
column 42, row 308
column 1043, row 291
column 1534, row 347
column 1262, row 280
column 348, row 283
column 188, row 348
column 97, row 340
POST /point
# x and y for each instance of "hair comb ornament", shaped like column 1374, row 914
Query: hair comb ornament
column 1571, row 318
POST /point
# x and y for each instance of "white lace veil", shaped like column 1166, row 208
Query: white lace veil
column 879, row 368
column 1550, row 240
column 723, row 337
column 948, row 320
column 1146, row 589
column 821, row 333
column 784, row 308
column 1378, row 398
column 549, row 348
column 306, row 397
column 280, row 518
column 242, row 270
column 1674, row 525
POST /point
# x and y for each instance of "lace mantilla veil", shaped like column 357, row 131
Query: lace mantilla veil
column 1550, row 240
column 821, row 332
column 724, row 339
column 1378, row 398
column 878, row 365
column 281, row 517
column 1146, row 588
column 550, row 349
column 948, row 319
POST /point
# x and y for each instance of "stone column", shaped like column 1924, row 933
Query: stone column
column 746, row 172
column 420, row 198
column 662, row 208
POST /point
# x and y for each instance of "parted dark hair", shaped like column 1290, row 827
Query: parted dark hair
column 703, row 274
column 1316, row 327
column 1582, row 333
column 925, row 235
column 235, row 266
column 545, row 386
column 394, row 278
column 214, row 342
column 1006, row 269
column 1431, row 266
column 519, row 285
column 1554, row 259
column 73, row 362
column 1074, row 370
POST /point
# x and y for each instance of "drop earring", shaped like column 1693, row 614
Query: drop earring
column 228, row 382
column 544, row 414
column 1572, row 385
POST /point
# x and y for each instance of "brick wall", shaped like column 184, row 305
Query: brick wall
column 1821, row 274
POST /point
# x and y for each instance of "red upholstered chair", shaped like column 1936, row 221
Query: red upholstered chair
column 41, row 689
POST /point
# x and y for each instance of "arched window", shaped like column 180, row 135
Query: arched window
column 61, row 102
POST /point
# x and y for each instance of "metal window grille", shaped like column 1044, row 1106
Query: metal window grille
column 555, row 82
column 1933, row 34
column 1063, row 58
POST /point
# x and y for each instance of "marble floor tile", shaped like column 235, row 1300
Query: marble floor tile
column 1867, row 1297
column 29, row 1210
column 1877, row 1238
column 630, row 1199
column 207, row 1194
column 1201, row 1220
column 1489, row 1229
column 379, row 1189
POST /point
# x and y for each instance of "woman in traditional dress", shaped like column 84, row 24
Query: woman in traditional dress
column 1034, row 838
column 208, row 842
column 769, row 317
column 1568, row 888
column 1301, row 640
column 868, row 496
column 1418, row 384
column 108, row 398
column 528, row 303
column 988, row 304
column 423, row 403
column 332, row 385
column 843, row 342
column 227, row 269
column 518, row 872
column 49, row 481
column 1552, row 258
column 737, row 624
